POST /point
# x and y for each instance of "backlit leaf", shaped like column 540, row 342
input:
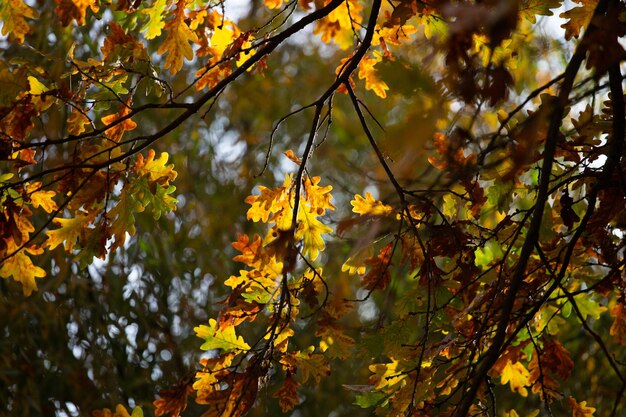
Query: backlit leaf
column 156, row 170
column 21, row 268
column 518, row 376
column 69, row 10
column 580, row 409
column 578, row 17
column 13, row 15
column 177, row 41
column 287, row 395
column 71, row 231
column 155, row 24
column 226, row 340
column 370, row 206
column 311, row 230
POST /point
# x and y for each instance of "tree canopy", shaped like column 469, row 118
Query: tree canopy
column 312, row 207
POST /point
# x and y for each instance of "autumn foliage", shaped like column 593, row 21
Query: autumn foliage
column 426, row 209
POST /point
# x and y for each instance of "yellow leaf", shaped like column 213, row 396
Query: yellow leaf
column 155, row 23
column 386, row 374
column 369, row 206
column 513, row 413
column 176, row 44
column 273, row 4
column 41, row 198
column 21, row 267
column 70, row 231
column 580, row 409
column 517, row 375
column 76, row 122
column 339, row 25
column 355, row 264
column 156, row 169
column 69, row 10
column 13, row 15
column 269, row 201
column 372, row 81
column 318, row 197
column 212, row 370
column 310, row 229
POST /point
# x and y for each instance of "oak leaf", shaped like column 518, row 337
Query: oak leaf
column 318, row 197
column 41, row 198
column 369, row 74
column 155, row 24
column 369, row 206
column 226, row 340
column 213, row 370
column 311, row 365
column 116, row 132
column 578, row 17
column 518, row 377
column 270, row 201
column 76, row 122
column 173, row 401
column 120, row 411
column 155, row 170
column 177, row 42
column 123, row 217
column 529, row 9
column 311, row 230
column 334, row 342
column 251, row 250
column 386, row 374
column 20, row 266
column 13, row 15
column 287, row 394
column 379, row 276
column 580, row 409
column 71, row 231
column 618, row 328
column 69, row 10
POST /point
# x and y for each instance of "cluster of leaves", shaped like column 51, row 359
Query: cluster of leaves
column 478, row 267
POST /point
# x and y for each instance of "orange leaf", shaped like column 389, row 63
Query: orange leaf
column 580, row 409
column 69, row 10
column 287, row 394
column 116, row 132
column 618, row 328
column 250, row 250
column 378, row 276
column 173, row 401
column 41, row 198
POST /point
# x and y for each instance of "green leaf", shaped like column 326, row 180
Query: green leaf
column 225, row 339
column 588, row 306
column 370, row 399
